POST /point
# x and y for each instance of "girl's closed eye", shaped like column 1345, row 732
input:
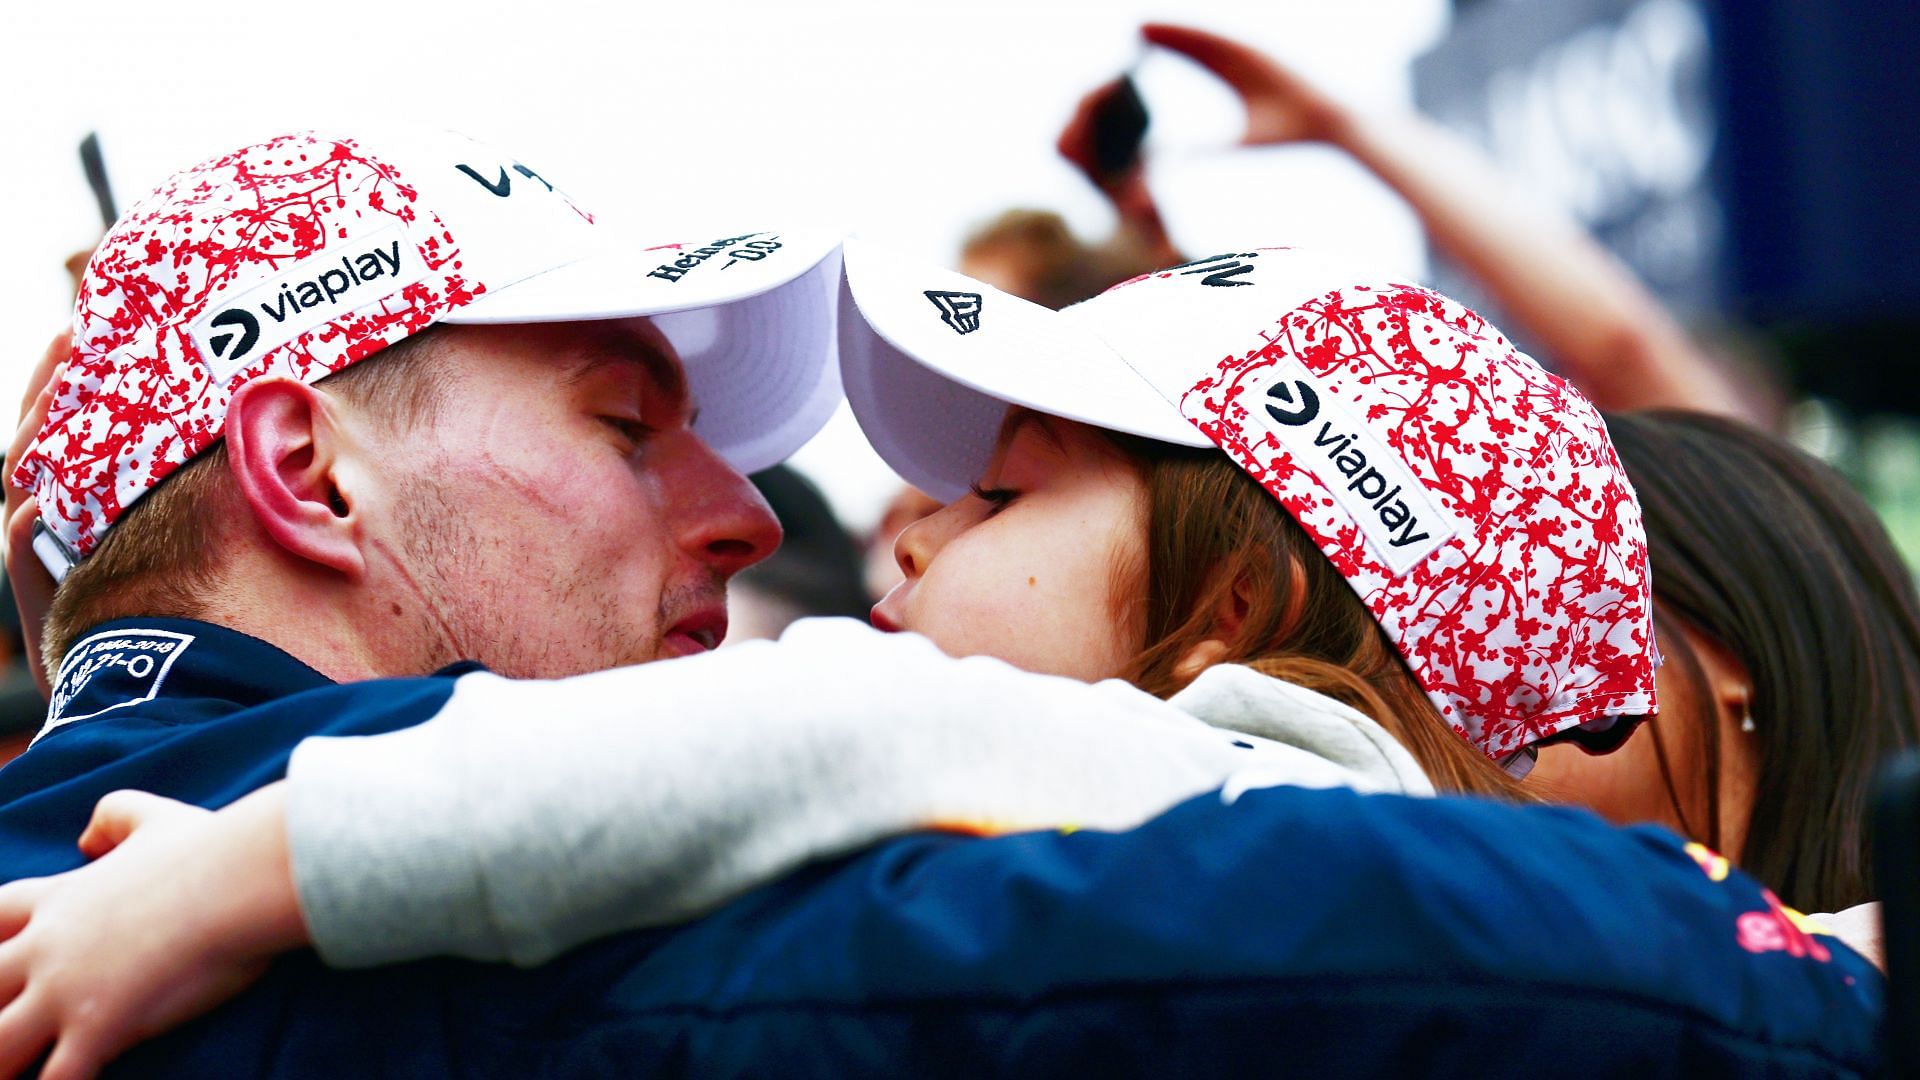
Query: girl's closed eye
column 996, row 498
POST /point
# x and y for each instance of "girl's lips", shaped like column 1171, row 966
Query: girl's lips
column 882, row 622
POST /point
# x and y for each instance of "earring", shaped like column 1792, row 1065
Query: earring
column 1746, row 722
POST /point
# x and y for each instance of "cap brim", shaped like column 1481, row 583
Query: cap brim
column 757, row 336
column 931, row 359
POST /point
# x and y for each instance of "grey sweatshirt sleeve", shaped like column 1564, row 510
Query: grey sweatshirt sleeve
column 528, row 817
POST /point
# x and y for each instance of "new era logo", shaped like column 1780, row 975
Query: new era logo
column 1295, row 412
column 960, row 310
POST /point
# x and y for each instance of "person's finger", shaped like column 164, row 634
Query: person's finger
column 77, row 1056
column 33, row 416
column 57, row 352
column 1242, row 67
column 26, row 1026
column 20, row 529
column 1281, row 106
column 13, row 970
column 1076, row 139
column 117, row 815
column 33, row 587
column 34, row 404
column 17, row 900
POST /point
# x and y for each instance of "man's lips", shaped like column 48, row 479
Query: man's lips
column 697, row 633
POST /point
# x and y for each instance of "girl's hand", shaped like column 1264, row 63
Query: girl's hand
column 1281, row 106
column 32, row 585
column 183, row 910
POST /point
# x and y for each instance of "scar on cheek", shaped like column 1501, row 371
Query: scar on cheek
column 1029, row 582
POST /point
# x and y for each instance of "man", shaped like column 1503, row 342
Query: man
column 211, row 312
column 244, row 544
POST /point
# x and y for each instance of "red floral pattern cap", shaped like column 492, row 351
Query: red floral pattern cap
column 1472, row 499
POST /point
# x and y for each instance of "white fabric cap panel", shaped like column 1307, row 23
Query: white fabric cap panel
column 650, row 280
column 1174, row 326
column 937, row 434
column 932, row 358
column 764, row 371
column 752, row 316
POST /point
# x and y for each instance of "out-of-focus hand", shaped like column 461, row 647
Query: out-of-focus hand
column 1126, row 189
column 32, row 585
column 181, row 911
column 1281, row 106
column 1076, row 142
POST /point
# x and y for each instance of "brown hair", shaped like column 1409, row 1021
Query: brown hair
column 1058, row 269
column 1212, row 529
column 1768, row 553
column 163, row 554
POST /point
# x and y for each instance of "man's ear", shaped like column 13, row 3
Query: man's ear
column 285, row 447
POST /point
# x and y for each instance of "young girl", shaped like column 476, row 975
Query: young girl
column 1417, row 554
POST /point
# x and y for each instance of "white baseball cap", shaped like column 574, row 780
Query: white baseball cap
column 931, row 359
column 304, row 253
column 1471, row 499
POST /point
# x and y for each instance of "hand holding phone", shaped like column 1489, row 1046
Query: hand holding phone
column 1106, row 132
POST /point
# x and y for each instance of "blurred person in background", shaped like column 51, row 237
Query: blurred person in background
column 816, row 570
column 22, row 706
column 1580, row 308
column 1791, row 635
column 1032, row 254
column 1771, row 575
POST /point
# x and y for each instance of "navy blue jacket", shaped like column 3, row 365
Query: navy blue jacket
column 1311, row 932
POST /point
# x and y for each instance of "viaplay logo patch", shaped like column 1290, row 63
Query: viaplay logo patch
column 241, row 323
column 1373, row 484
column 316, row 290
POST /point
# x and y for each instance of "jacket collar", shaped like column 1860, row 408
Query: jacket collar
column 126, row 662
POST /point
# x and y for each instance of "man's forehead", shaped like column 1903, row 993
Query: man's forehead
column 619, row 343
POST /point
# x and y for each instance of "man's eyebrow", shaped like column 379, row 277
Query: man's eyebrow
column 661, row 370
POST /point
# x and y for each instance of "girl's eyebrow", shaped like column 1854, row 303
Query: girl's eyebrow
column 1020, row 419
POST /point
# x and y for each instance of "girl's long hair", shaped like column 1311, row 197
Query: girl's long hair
column 1771, row 554
column 1210, row 529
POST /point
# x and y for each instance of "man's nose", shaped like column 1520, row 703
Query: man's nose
column 723, row 521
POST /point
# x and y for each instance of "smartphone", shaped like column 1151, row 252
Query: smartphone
column 95, row 166
column 1119, row 127
column 1896, row 822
